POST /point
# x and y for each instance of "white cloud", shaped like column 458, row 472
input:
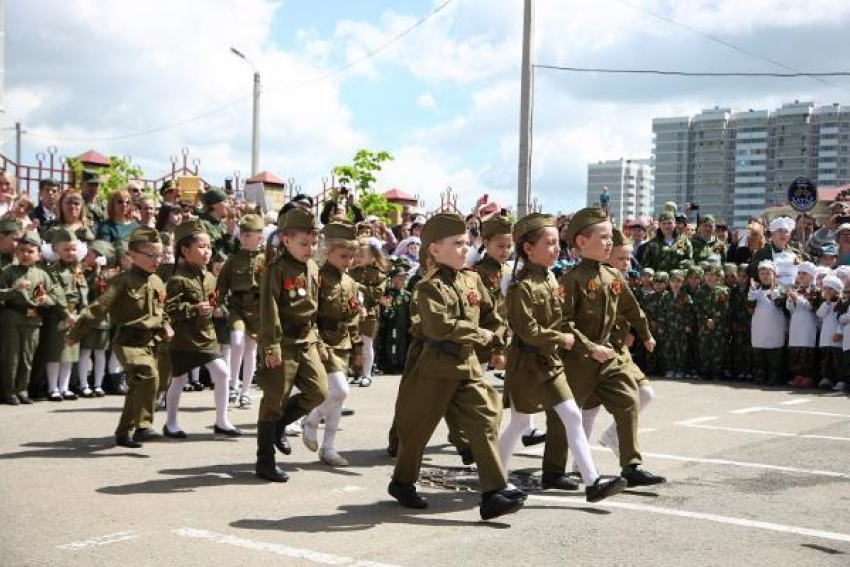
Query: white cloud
column 426, row 100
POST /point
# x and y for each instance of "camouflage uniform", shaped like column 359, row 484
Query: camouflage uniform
column 665, row 257
column 652, row 309
column 740, row 315
column 676, row 312
column 712, row 303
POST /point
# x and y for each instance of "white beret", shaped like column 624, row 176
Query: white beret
column 767, row 264
column 834, row 283
column 782, row 223
column 807, row 268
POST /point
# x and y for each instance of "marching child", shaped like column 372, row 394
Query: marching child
column 768, row 325
column 370, row 273
column 96, row 341
column 395, row 321
column 338, row 318
column 802, row 302
column 190, row 304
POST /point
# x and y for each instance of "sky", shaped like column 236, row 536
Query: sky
column 443, row 98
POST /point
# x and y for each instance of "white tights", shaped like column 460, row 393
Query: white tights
column 114, row 367
column 84, row 365
column 59, row 376
column 368, row 355
column 571, row 417
column 218, row 372
column 588, row 416
column 331, row 408
column 243, row 356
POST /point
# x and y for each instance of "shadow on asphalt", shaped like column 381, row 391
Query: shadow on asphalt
column 189, row 479
column 74, row 448
column 367, row 516
column 98, row 409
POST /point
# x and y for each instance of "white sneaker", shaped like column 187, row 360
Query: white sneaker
column 609, row 441
column 840, row 387
column 310, row 435
column 330, row 457
column 293, row 429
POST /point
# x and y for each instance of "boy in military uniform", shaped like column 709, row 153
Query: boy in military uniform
column 676, row 318
column 371, row 274
column 694, row 288
column 395, row 322
column 26, row 290
column 712, row 312
column 456, row 313
column 338, row 317
column 239, row 289
column 96, row 342
column 135, row 301
column 740, row 314
column 10, row 231
column 289, row 298
column 652, row 310
column 594, row 297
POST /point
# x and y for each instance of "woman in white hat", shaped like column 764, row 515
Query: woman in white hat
column 785, row 258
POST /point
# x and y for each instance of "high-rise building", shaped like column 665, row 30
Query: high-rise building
column 629, row 183
column 735, row 164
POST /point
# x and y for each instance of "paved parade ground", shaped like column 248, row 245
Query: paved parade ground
column 756, row 477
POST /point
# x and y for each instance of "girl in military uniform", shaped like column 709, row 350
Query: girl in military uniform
column 239, row 287
column 338, row 318
column 220, row 318
column 371, row 274
column 68, row 276
column 190, row 304
column 534, row 377
column 96, row 341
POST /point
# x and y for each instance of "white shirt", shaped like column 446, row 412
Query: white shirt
column 786, row 267
column 830, row 325
column 803, row 331
column 768, row 326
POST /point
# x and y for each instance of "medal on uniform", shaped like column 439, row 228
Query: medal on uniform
column 302, row 292
column 287, row 286
column 300, row 283
column 617, row 287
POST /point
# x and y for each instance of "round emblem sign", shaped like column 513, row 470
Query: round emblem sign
column 802, row 195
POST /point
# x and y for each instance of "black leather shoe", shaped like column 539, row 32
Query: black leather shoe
column 127, row 441
column 173, row 434
column 558, row 482
column 515, row 493
column 146, row 434
column 637, row 476
column 533, row 438
column 604, row 488
column 24, row 399
column 466, row 456
column 347, row 412
column 499, row 503
column 271, row 473
column 12, row 400
column 229, row 432
column 406, row 495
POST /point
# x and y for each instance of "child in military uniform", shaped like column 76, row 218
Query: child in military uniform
column 239, row 288
column 26, row 290
column 677, row 320
column 96, row 341
column 10, row 231
column 712, row 312
column 135, row 301
column 338, row 322
column 802, row 302
column 456, row 313
column 395, row 322
column 190, row 304
column 694, row 288
column 220, row 318
column 652, row 309
column 594, row 297
column 67, row 274
column 740, row 348
column 289, row 297
column 768, row 326
column 534, row 377
column 371, row 274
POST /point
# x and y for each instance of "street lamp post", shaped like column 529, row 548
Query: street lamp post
column 255, row 130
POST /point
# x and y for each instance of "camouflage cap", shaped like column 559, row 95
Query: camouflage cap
column 677, row 275
column 715, row 269
column 707, row 219
column 145, row 235
column 10, row 225
column 496, row 225
column 251, row 223
column 341, row 230
column 647, row 272
column 670, row 207
column 730, row 269
column 399, row 270
column 666, row 216
column 298, row 219
column 442, row 225
column 183, row 231
column 685, row 264
column 583, row 219
column 32, row 238
column 661, row 277
column 213, row 196
column 60, row 234
column 744, row 267
column 531, row 222
column 102, row 248
column 695, row 271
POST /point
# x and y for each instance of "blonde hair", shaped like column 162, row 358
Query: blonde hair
column 110, row 203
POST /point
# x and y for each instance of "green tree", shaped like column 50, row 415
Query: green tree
column 360, row 176
column 114, row 176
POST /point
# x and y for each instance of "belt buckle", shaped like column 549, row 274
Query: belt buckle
column 31, row 312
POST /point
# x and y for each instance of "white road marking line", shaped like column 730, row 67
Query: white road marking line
column 795, row 402
column 276, row 548
column 783, row 410
column 696, row 420
column 696, row 423
column 98, row 541
column 648, row 430
column 747, row 410
column 743, row 522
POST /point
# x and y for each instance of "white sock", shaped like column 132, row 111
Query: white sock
column 83, row 367
column 52, row 369
column 332, row 406
column 511, row 435
column 571, row 417
column 531, row 425
column 588, row 416
column 115, row 366
column 237, row 351
column 195, row 375
column 647, row 394
column 99, row 367
column 220, row 378
column 368, row 355
column 172, row 402
column 249, row 364
column 65, row 369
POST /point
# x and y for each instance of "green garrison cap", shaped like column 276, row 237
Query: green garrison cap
column 496, row 225
column 661, row 277
column 442, row 225
column 677, row 275
column 714, row 269
column 251, row 223
column 183, row 231
column 695, row 271
column 103, row 248
column 619, row 238
column 11, row 225
column 144, row 234
column 647, row 272
column 583, row 219
column 532, row 222
column 341, row 230
column 299, row 219
column 745, row 268
column 666, row 216
column 31, row 238
column 60, row 234
column 707, row 218
column 213, row 196
column 730, row 269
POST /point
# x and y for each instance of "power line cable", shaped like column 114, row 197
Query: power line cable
column 693, row 73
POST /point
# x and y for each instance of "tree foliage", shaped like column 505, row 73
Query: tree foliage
column 359, row 175
column 114, row 176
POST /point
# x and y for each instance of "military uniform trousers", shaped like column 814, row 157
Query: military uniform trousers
column 163, row 367
column 712, row 351
column 17, row 352
column 140, row 364
column 474, row 406
column 613, row 384
column 301, row 367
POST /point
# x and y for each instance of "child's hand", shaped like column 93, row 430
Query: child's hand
column 40, row 300
column 497, row 362
column 837, row 337
column 167, row 332
column 630, row 340
column 218, row 313
column 22, row 284
column 273, row 359
column 205, row 309
column 485, row 335
column 603, row 353
column 649, row 344
column 323, row 353
column 569, row 341
column 754, row 285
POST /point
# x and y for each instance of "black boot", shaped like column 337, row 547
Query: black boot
column 499, row 502
column 291, row 414
column 406, row 495
column 266, row 468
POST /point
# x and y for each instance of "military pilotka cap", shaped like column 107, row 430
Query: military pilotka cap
column 60, row 234
column 666, row 216
column 647, row 272
column 32, row 238
column 442, row 225
column 677, row 275
column 299, row 219
column 11, row 225
column 661, row 277
column 695, row 271
column 619, row 238
column 183, row 231
column 251, row 223
column 340, row 230
column 707, row 219
column 145, row 235
column 583, row 219
column 213, row 196
column 102, row 248
column 714, row 269
column 743, row 268
column 495, row 226
column 532, row 222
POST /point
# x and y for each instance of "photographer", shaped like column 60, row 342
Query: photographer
column 839, row 213
column 341, row 207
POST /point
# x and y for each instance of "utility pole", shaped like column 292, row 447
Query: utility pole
column 526, row 94
column 255, row 129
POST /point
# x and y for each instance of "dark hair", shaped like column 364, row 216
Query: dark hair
column 531, row 237
column 45, row 183
column 178, row 248
column 163, row 216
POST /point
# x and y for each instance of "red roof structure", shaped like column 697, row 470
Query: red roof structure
column 92, row 157
column 829, row 194
column 266, row 178
column 396, row 195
